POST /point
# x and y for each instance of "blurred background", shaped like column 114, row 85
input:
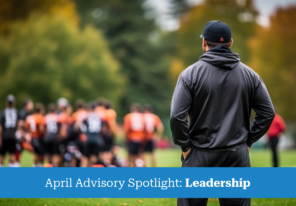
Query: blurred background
column 133, row 50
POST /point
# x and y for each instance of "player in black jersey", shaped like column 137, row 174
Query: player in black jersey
column 22, row 134
column 92, row 128
column 9, row 123
column 51, row 141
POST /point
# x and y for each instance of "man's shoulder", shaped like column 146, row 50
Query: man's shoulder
column 187, row 74
column 248, row 70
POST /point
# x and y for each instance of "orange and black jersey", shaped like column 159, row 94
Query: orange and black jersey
column 65, row 121
column 134, row 126
column 152, row 121
column 52, row 123
column 101, row 111
column 33, row 124
column 110, row 118
column 79, row 115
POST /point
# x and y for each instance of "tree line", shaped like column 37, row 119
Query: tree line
column 110, row 48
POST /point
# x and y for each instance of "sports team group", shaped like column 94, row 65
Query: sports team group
column 61, row 137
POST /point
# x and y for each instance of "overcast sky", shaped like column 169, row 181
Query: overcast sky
column 265, row 8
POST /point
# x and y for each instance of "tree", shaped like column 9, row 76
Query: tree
column 239, row 15
column 273, row 57
column 47, row 57
column 135, row 42
column 14, row 10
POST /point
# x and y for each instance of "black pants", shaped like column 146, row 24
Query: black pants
column 273, row 144
column 202, row 158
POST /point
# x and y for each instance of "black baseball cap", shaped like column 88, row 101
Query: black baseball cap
column 217, row 31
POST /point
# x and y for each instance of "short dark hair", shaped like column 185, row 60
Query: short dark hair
column 39, row 108
column 26, row 101
column 51, row 108
column 136, row 107
column 80, row 103
column 108, row 105
column 101, row 102
column 213, row 44
column 148, row 108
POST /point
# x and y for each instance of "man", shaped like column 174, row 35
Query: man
column 109, row 131
column 51, row 141
column 62, row 104
column 154, row 129
column 65, row 121
column 92, row 128
column 100, row 108
column 8, row 127
column 22, row 142
column 275, row 131
column 26, row 110
column 35, row 125
column 218, row 93
column 134, row 127
column 76, row 140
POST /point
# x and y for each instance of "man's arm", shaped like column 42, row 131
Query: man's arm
column 180, row 106
column 264, row 110
column 0, row 135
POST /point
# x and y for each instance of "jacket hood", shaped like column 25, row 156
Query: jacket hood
column 221, row 56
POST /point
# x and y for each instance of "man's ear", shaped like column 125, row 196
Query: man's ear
column 231, row 42
column 204, row 43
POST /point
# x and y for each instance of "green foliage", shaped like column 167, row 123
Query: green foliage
column 15, row 10
column 47, row 57
column 137, row 45
column 240, row 18
column 273, row 57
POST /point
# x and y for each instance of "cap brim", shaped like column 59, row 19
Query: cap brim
column 201, row 36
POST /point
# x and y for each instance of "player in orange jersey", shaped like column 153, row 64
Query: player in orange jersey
column 65, row 121
column 76, row 145
column 112, row 126
column 134, row 127
column 81, row 112
column 154, row 129
column 100, row 108
column 35, row 125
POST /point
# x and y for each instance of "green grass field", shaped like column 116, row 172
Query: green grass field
column 166, row 158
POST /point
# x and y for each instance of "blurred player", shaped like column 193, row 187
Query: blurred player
column 77, row 140
column 62, row 104
column 154, row 129
column 134, row 127
column 8, row 127
column 26, row 110
column 109, row 132
column 92, row 128
column 51, row 141
column 35, row 125
column 65, row 121
column 100, row 108
column 81, row 112
column 274, row 133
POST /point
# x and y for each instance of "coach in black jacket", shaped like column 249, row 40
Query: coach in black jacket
column 211, row 108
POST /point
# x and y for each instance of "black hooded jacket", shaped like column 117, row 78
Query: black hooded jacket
column 212, row 103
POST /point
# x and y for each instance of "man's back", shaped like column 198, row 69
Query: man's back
column 134, row 126
column 9, row 119
column 218, row 93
